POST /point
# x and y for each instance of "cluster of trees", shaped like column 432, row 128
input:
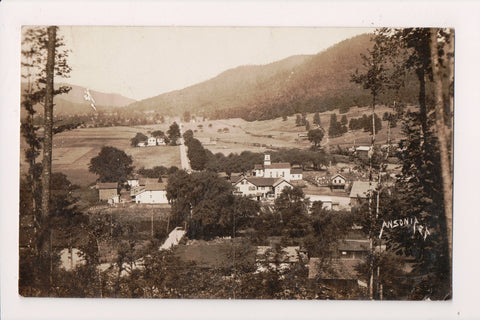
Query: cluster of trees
column 206, row 203
column 315, row 136
column 140, row 137
column 391, row 118
column 201, row 158
column 157, row 172
column 337, row 128
column 301, row 120
column 111, row 165
column 337, row 100
column 196, row 153
column 425, row 187
column 365, row 123
column 119, row 117
column 173, row 133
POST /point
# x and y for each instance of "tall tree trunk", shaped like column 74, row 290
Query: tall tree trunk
column 47, row 143
column 443, row 136
column 421, row 100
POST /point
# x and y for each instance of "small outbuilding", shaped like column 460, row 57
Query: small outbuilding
column 107, row 191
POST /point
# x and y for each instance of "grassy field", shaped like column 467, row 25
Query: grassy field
column 259, row 136
column 72, row 151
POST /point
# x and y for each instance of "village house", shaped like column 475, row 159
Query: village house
column 337, row 183
column 108, row 191
column 341, row 271
column 296, row 174
column 363, row 152
column 161, row 142
column 152, row 141
column 353, row 248
column 277, row 170
column 152, row 193
column 260, row 188
column 360, row 191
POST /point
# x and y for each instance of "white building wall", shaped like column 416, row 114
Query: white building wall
column 296, row 176
column 277, row 173
column 279, row 188
column 152, row 141
column 331, row 202
column 153, row 196
column 246, row 188
column 133, row 182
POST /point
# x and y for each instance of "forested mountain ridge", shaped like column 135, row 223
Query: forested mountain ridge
column 304, row 83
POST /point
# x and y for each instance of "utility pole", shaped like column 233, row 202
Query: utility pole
column 152, row 225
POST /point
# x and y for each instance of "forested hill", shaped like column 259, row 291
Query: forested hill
column 296, row 84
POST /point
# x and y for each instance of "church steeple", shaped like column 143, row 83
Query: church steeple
column 267, row 161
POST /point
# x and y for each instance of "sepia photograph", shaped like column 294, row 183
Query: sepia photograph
column 292, row 163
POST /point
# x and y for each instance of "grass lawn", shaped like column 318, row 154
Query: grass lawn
column 217, row 253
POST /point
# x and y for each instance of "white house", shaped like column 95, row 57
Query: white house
column 277, row 170
column 337, row 182
column 152, row 141
column 151, row 193
column 330, row 202
column 259, row 187
column 161, row 142
column 279, row 185
column 296, row 174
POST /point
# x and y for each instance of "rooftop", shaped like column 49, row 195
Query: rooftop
column 354, row 245
column 159, row 186
column 262, row 182
column 360, row 189
column 279, row 165
column 338, row 175
column 363, row 148
column 296, row 170
column 280, row 180
column 107, row 185
column 335, row 269
column 147, row 181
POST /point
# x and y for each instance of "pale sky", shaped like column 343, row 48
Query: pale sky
column 141, row 62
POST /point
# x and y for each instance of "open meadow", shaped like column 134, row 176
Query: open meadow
column 237, row 135
column 72, row 151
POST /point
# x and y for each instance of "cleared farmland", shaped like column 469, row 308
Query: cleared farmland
column 72, row 151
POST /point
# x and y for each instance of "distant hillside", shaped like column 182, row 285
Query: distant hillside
column 74, row 102
column 305, row 83
column 233, row 88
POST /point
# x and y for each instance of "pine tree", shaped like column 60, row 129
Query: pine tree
column 316, row 119
column 42, row 59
